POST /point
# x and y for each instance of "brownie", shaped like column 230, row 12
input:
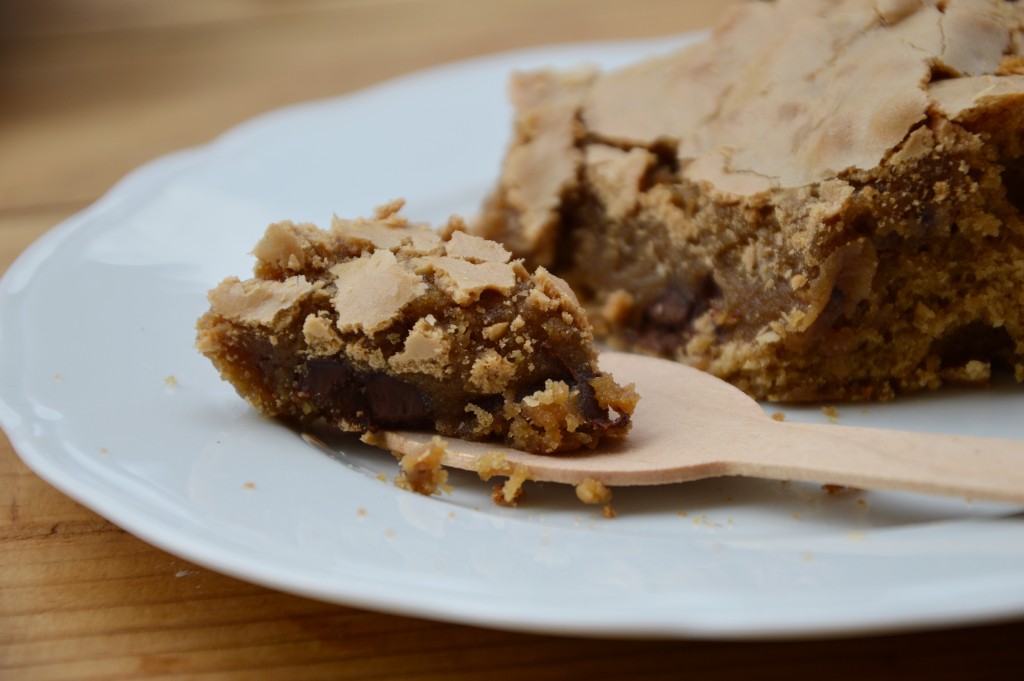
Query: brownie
column 382, row 324
column 821, row 201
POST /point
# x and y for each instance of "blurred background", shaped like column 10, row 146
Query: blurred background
column 89, row 89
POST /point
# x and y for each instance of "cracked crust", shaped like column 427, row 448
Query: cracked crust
column 380, row 323
column 821, row 201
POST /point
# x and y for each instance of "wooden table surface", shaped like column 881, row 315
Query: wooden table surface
column 90, row 89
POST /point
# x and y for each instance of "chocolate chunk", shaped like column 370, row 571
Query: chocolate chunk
column 395, row 403
column 680, row 305
column 668, row 318
column 588, row 404
column 974, row 341
column 672, row 310
column 331, row 384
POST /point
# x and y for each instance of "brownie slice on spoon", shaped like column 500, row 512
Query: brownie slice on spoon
column 381, row 324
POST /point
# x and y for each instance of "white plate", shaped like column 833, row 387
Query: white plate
column 98, row 315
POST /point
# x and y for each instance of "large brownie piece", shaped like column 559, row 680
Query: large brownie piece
column 821, row 201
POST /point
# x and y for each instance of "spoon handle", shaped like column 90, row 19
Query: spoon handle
column 869, row 458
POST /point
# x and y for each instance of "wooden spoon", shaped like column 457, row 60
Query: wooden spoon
column 690, row 425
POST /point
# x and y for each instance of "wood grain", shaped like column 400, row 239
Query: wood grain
column 90, row 89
